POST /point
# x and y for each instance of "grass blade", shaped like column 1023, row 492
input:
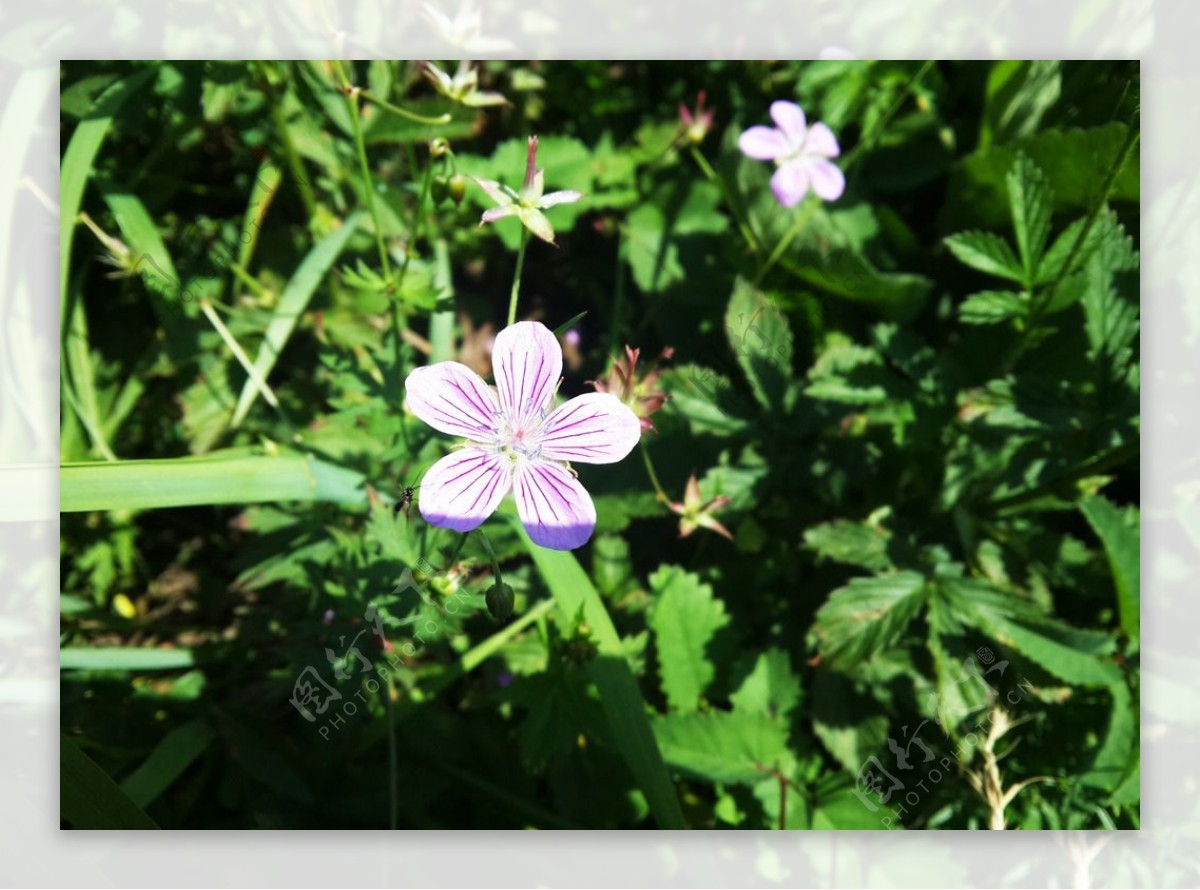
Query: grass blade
column 619, row 694
column 291, row 304
column 219, row 478
column 123, row 658
column 167, row 762
column 89, row 798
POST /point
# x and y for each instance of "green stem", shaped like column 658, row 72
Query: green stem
column 734, row 208
column 293, row 157
column 491, row 555
column 360, row 146
column 493, row 644
column 407, row 115
column 785, row 242
column 614, row 335
column 418, row 218
column 1092, row 467
column 516, row 286
column 658, row 489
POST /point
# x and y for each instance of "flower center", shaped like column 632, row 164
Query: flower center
column 521, row 439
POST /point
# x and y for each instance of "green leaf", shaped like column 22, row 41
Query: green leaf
column 684, row 620
column 1051, row 646
column 762, row 341
column 123, row 658
column 987, row 252
column 771, row 688
column 292, row 303
column 619, row 694
column 847, row 722
column 77, row 164
column 706, row 400
column 223, row 477
column 720, row 746
column 867, row 615
column 1031, row 202
column 993, row 307
column 853, row 543
column 167, row 762
column 1118, row 530
column 89, row 798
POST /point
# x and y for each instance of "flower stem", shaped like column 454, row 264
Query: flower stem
column 418, row 218
column 734, row 208
column 491, row 555
column 658, row 489
column 785, row 242
column 360, row 146
column 408, row 115
column 293, row 157
column 516, row 286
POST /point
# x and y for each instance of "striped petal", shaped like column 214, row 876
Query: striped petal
column 555, row 509
column 464, row 488
column 596, row 428
column 453, row 399
column 527, row 362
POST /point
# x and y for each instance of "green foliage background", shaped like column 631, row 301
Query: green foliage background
column 921, row 401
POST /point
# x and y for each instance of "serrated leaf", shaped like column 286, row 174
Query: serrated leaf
column 684, row 620
column 762, row 342
column 1031, row 202
column 987, row 252
column 867, row 615
column 853, row 543
column 721, row 746
column 706, row 400
column 993, row 307
column 771, row 688
column 1118, row 531
column 847, row 722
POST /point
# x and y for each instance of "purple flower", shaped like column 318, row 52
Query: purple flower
column 517, row 440
column 799, row 151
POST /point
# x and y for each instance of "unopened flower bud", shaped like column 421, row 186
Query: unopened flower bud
column 439, row 147
column 457, row 188
column 499, row 599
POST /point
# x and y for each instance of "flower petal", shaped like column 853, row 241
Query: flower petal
column 453, row 399
column 789, row 117
column 556, row 510
column 763, row 143
column 595, row 428
column 536, row 222
column 494, row 213
column 563, row 197
column 827, row 180
column 527, row 363
column 464, row 488
column 821, row 141
column 494, row 190
column 790, row 183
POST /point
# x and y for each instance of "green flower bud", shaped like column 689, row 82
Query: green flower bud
column 439, row 147
column 457, row 187
column 499, row 598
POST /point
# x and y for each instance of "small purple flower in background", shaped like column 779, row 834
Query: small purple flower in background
column 799, row 151
column 527, row 204
column 696, row 124
column 517, row 440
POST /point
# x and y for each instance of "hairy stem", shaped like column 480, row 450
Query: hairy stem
column 516, row 285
